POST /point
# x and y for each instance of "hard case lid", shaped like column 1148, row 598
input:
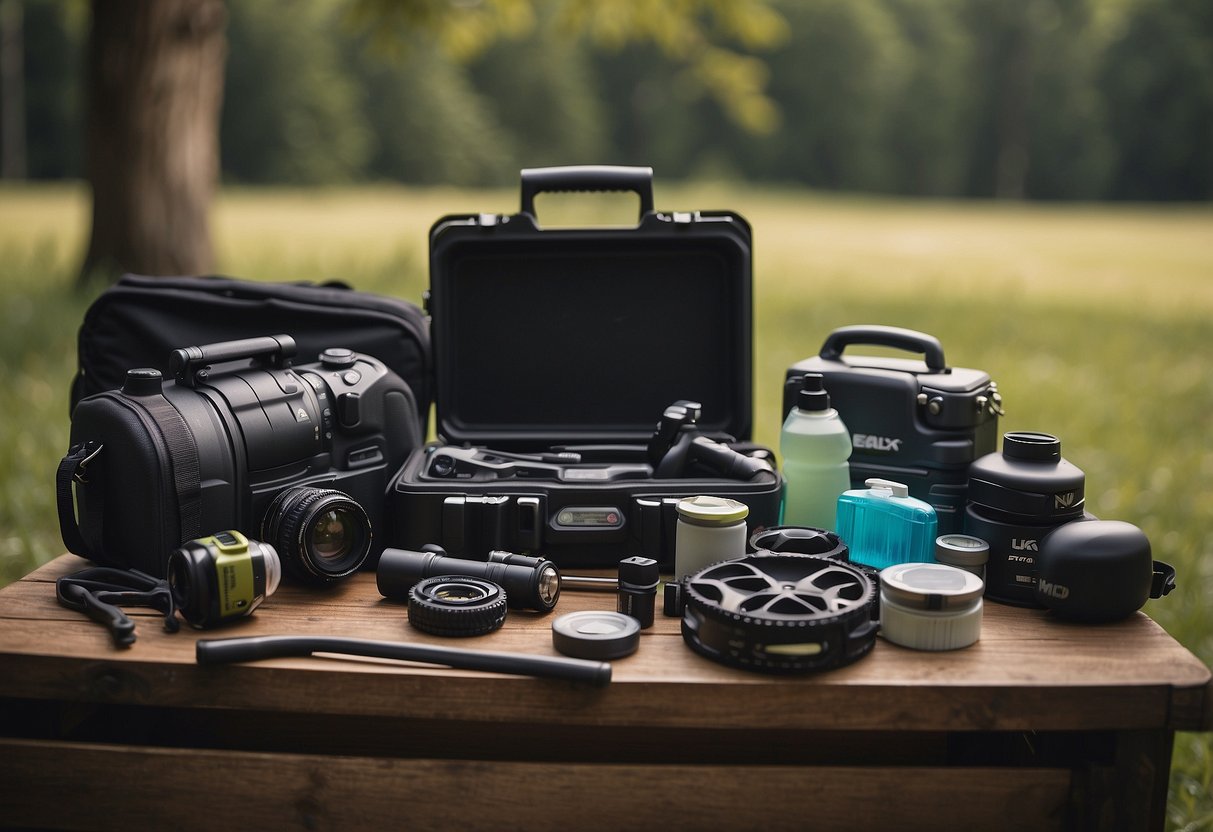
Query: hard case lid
column 585, row 335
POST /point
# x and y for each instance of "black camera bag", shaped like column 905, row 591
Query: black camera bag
column 138, row 481
column 578, row 339
column 920, row 423
column 139, row 321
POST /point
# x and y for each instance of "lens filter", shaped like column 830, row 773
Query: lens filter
column 457, row 605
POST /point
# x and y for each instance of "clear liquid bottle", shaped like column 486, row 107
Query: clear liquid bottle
column 815, row 446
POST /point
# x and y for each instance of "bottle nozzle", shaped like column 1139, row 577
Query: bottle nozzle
column 813, row 395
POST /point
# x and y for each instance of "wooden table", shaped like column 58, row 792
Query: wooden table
column 1041, row 725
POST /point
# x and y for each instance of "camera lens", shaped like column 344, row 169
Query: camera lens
column 321, row 534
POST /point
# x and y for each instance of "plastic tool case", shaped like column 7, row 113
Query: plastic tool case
column 557, row 352
column 919, row 423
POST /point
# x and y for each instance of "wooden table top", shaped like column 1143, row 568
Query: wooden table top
column 1028, row 672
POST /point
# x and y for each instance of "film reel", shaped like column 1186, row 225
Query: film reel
column 456, row 605
column 780, row 613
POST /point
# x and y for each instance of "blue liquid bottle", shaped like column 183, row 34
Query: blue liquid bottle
column 883, row 525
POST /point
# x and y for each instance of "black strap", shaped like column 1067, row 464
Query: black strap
column 183, row 457
column 97, row 592
column 74, row 468
column 1163, row 581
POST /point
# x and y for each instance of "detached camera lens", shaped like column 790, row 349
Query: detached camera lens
column 321, row 534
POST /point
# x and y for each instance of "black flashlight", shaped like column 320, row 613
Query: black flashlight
column 530, row 583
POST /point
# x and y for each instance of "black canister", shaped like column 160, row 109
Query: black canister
column 1015, row 498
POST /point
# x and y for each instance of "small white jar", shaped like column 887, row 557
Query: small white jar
column 930, row 606
column 710, row 529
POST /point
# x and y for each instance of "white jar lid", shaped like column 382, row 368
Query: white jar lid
column 712, row 511
column 931, row 586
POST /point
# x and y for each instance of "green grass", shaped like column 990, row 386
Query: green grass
column 1096, row 321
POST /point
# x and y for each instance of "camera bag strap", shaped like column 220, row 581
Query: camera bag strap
column 175, row 448
column 74, row 468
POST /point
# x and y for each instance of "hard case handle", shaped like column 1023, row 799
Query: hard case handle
column 886, row 336
column 279, row 349
column 536, row 181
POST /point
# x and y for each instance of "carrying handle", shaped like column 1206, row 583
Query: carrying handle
column 1163, row 579
column 584, row 178
column 184, row 362
column 886, row 336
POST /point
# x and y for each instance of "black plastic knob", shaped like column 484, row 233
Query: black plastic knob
column 144, row 381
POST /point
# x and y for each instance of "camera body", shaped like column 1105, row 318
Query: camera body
column 240, row 439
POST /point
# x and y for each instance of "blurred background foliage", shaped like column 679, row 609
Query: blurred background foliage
column 1038, row 99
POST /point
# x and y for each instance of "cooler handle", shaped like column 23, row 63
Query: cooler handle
column 184, row 362
column 586, row 178
column 886, row 336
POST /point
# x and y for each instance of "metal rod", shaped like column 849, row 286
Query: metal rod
column 587, row 583
column 225, row 650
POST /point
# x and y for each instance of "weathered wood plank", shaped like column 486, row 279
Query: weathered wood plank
column 1029, row 672
column 118, row 787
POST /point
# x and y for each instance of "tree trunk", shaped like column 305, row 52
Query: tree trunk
column 154, row 88
column 12, row 91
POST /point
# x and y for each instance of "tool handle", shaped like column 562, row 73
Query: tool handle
column 895, row 337
column 639, row 180
column 183, row 363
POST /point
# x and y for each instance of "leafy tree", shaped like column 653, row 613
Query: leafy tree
column 156, row 70
column 929, row 114
column 431, row 124
column 54, row 35
column 835, row 79
column 292, row 112
column 1157, row 80
column 542, row 90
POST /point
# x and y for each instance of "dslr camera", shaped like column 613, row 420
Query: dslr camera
column 238, row 438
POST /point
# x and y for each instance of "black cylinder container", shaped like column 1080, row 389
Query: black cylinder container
column 1015, row 498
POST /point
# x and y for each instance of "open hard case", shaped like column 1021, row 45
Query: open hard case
column 586, row 379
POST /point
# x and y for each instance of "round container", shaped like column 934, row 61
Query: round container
column 930, row 606
column 710, row 529
column 964, row 552
column 799, row 540
column 1015, row 498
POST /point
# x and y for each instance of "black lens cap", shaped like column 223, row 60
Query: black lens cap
column 596, row 634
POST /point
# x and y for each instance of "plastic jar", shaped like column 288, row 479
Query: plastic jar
column 710, row 529
column 930, row 606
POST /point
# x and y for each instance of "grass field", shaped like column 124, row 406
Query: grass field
column 1096, row 322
